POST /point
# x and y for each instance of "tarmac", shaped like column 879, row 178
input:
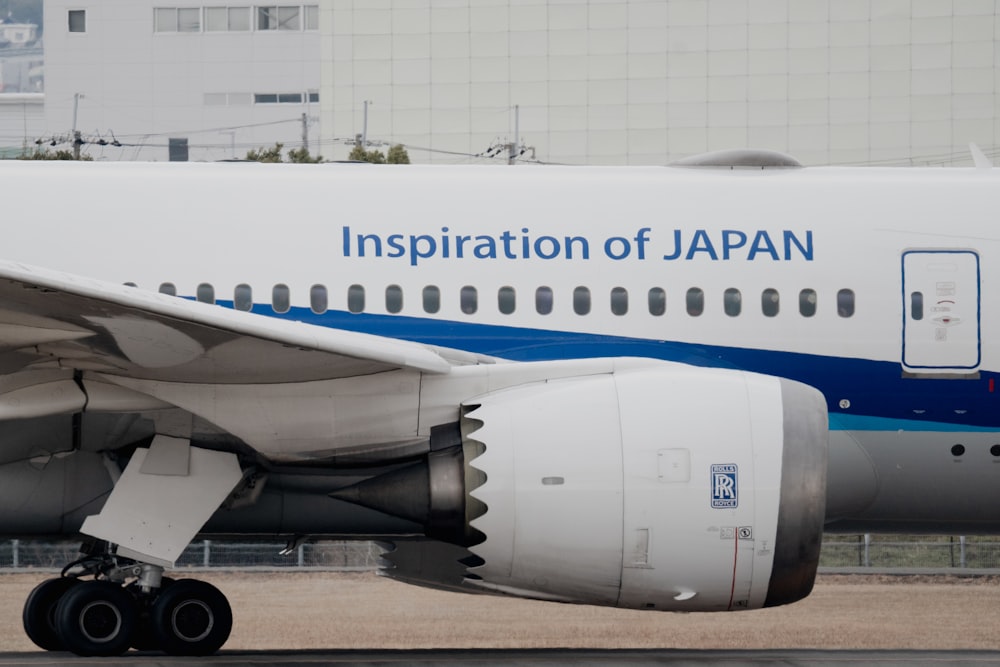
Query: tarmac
column 525, row 658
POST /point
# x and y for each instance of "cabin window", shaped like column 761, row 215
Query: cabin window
column 205, row 293
column 168, row 288
column 732, row 302
column 695, row 301
column 619, row 300
column 356, row 298
column 657, row 301
column 581, row 300
column 506, row 300
column 845, row 303
column 77, row 20
column 543, row 300
column 393, row 298
column 243, row 297
column 281, row 298
column 318, row 300
column 807, row 302
column 917, row 305
column 469, row 300
column 770, row 302
column 432, row 299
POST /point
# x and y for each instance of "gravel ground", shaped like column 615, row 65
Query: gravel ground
column 325, row 610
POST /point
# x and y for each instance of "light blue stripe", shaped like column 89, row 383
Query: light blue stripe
column 842, row 422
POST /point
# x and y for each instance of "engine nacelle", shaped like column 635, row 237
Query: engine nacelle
column 669, row 487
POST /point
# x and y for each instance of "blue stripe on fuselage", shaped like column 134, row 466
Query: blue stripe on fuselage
column 878, row 396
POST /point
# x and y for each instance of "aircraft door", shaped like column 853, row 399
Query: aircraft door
column 941, row 300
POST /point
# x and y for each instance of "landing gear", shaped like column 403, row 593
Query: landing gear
column 125, row 604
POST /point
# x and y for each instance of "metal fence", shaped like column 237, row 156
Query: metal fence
column 325, row 555
column 904, row 552
column 839, row 551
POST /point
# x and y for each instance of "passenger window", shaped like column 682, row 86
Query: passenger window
column 469, row 300
column 917, row 305
column 394, row 298
column 281, row 299
column 356, row 298
column 543, row 300
column 581, row 300
column 769, row 302
column 732, row 302
column 318, row 300
column 695, row 301
column 657, row 301
column 168, row 288
column 506, row 300
column 845, row 303
column 432, row 299
column 205, row 293
column 243, row 297
column 130, row 284
column 619, row 301
column 807, row 302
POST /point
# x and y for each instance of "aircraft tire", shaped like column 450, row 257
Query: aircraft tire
column 96, row 618
column 191, row 618
column 40, row 611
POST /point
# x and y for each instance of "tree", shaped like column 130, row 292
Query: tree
column 273, row 154
column 397, row 155
column 45, row 154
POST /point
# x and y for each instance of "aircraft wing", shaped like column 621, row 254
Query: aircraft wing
column 54, row 319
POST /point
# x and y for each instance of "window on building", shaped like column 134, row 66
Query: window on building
column 807, row 302
column 177, row 19
column 281, row 298
column 168, row 288
column 619, row 300
column 581, row 300
column 77, row 20
column 355, row 298
column 432, row 299
column 243, row 297
column 205, row 293
column 279, row 18
column 732, row 302
column 318, row 300
column 695, row 301
column 657, row 299
column 469, row 300
column 393, row 298
column 506, row 300
column 314, row 97
column 227, row 18
column 312, row 17
column 265, row 98
column 770, row 302
column 845, row 303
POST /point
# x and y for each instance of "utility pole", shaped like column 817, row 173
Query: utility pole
column 305, row 131
column 77, row 138
column 512, row 148
column 364, row 128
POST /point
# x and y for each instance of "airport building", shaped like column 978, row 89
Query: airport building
column 566, row 81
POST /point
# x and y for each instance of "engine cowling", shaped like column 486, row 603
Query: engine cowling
column 670, row 488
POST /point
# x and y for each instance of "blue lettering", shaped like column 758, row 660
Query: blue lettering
column 395, row 241
column 553, row 247
column 762, row 243
column 583, row 243
column 729, row 245
column 807, row 250
column 486, row 248
column 626, row 247
column 677, row 246
column 363, row 238
column 701, row 243
column 416, row 253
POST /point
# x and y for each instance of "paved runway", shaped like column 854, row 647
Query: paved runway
column 527, row 657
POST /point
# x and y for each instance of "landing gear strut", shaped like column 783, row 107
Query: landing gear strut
column 125, row 604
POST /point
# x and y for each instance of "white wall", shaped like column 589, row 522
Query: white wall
column 147, row 86
column 648, row 81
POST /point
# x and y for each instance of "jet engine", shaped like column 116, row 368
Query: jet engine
column 667, row 487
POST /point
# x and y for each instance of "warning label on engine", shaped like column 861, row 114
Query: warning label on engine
column 724, row 485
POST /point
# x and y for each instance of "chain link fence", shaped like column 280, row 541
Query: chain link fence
column 903, row 552
column 324, row 555
column 839, row 551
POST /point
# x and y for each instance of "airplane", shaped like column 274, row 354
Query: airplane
column 643, row 387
